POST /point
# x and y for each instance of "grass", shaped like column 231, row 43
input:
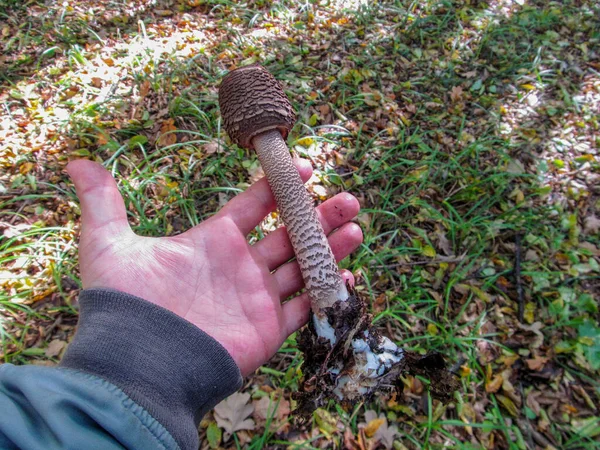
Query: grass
column 461, row 128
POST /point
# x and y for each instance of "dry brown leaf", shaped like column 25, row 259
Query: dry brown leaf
column 324, row 109
column 266, row 408
column 256, row 172
column 349, row 440
column 443, row 243
column 232, row 413
column 494, row 384
column 591, row 225
column 211, row 147
column 168, row 137
column 456, row 93
column 97, row 82
column 144, row 88
column 101, row 139
column 536, row 363
column 534, row 328
column 54, row 348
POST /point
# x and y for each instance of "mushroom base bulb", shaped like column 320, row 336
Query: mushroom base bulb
column 348, row 360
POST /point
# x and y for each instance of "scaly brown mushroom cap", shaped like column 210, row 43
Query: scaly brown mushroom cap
column 252, row 102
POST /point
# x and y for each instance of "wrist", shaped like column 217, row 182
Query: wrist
column 163, row 362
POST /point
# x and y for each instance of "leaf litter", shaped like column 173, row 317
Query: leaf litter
column 457, row 125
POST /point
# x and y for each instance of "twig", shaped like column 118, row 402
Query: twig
column 424, row 263
column 517, row 275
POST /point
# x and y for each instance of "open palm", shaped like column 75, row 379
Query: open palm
column 208, row 275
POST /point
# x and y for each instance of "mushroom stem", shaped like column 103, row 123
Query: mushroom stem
column 319, row 269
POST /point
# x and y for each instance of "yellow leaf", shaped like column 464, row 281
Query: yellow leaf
column 326, row 422
column 25, row 168
column 306, row 142
column 528, row 87
column 509, row 405
column 373, row 426
column 518, row 195
column 481, row 294
column 494, row 385
column 529, row 314
column 429, row 251
column 432, row 329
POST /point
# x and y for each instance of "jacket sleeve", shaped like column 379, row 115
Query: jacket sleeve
column 135, row 376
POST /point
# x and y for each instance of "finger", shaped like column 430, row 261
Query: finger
column 343, row 242
column 297, row 310
column 250, row 207
column 348, row 277
column 276, row 248
column 102, row 207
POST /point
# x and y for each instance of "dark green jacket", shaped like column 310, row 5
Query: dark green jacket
column 135, row 376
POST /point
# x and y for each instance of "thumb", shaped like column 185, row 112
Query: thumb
column 102, row 208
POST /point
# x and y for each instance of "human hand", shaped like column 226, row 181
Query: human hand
column 208, row 275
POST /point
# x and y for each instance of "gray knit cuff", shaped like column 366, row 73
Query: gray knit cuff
column 162, row 362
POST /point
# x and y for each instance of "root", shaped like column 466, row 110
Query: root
column 359, row 362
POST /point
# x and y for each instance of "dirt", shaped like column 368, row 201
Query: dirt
column 351, row 319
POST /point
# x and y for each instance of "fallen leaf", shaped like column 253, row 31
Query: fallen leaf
column 373, row 426
column 54, row 348
column 232, row 413
column 211, row 147
column 25, row 168
column 168, row 137
column 214, row 435
column 378, row 428
column 101, row 138
column 144, row 88
column 350, row 441
column 494, row 384
column 256, row 172
column 324, row 109
column 275, row 410
column 528, row 87
column 536, row 363
column 456, row 93
column 591, row 225
column 443, row 243
column 508, row 405
column 326, row 422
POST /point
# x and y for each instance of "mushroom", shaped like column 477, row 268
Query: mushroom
column 345, row 358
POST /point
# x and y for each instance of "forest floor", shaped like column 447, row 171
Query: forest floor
column 469, row 131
